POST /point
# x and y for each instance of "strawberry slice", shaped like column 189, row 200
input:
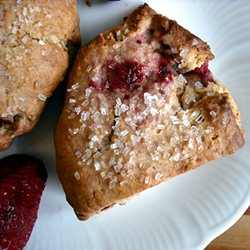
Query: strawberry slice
column 22, row 181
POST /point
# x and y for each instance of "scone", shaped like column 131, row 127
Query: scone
column 141, row 107
column 34, row 41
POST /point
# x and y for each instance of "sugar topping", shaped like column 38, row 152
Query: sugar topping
column 213, row 114
column 195, row 42
column 25, row 39
column 158, row 176
column 181, row 79
column 183, row 53
column 147, row 180
column 89, row 68
column 174, row 50
column 130, row 130
column 198, row 85
column 42, row 97
column 127, row 139
column 73, row 131
column 41, row 42
column 77, row 176
column 97, row 166
column 25, row 18
column 71, row 100
column 200, row 118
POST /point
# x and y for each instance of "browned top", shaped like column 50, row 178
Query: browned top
column 34, row 36
column 113, row 143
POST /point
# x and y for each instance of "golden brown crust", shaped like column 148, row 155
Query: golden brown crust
column 189, row 50
column 112, row 144
column 33, row 59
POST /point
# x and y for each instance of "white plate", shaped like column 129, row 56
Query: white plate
column 188, row 211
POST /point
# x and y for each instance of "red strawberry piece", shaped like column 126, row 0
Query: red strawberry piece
column 165, row 75
column 22, row 181
column 125, row 75
column 204, row 73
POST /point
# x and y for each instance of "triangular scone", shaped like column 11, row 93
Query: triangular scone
column 141, row 107
column 34, row 42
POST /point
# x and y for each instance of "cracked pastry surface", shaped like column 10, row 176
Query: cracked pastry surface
column 34, row 40
column 141, row 107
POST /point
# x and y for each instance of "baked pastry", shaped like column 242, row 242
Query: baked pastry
column 141, row 107
column 34, row 41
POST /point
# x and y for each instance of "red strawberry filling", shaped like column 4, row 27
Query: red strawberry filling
column 204, row 73
column 95, row 85
column 164, row 74
column 129, row 75
column 125, row 76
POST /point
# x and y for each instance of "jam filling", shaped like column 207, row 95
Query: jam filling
column 125, row 76
column 204, row 73
column 164, row 73
column 129, row 75
column 94, row 85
